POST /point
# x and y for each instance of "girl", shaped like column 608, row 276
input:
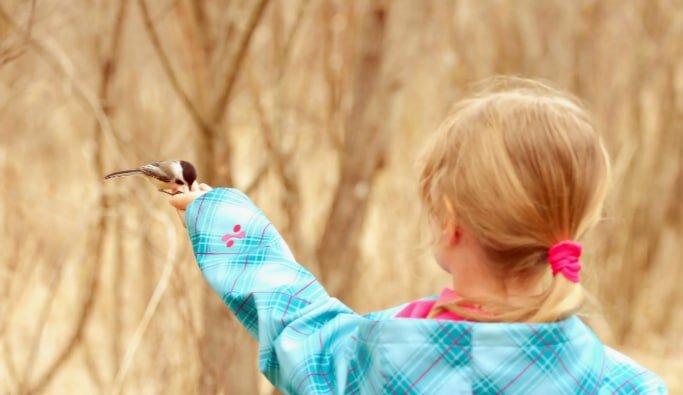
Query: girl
column 511, row 180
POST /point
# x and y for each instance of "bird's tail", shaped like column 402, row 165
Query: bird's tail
column 123, row 173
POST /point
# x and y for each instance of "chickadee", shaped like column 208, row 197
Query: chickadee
column 166, row 175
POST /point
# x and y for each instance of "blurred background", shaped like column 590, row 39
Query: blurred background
column 317, row 109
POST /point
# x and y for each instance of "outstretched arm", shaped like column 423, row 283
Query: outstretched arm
column 306, row 338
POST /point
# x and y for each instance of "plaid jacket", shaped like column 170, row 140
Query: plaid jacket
column 311, row 343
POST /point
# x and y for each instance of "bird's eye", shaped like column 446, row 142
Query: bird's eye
column 179, row 182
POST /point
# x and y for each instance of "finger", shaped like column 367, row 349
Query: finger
column 205, row 187
column 182, row 200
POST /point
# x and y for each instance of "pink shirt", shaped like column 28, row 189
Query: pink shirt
column 421, row 308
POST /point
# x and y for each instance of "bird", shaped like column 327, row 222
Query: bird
column 165, row 175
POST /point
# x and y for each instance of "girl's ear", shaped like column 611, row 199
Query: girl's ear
column 452, row 234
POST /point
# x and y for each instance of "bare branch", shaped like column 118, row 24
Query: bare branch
column 118, row 290
column 75, row 338
column 9, row 361
column 168, row 70
column 14, row 53
column 236, row 63
column 42, row 321
column 258, row 178
column 289, row 43
column 159, row 290
column 291, row 202
column 91, row 366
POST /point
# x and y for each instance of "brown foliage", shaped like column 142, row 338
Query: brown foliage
column 317, row 108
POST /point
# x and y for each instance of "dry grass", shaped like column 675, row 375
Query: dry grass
column 98, row 290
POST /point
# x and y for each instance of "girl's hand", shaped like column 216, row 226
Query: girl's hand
column 182, row 200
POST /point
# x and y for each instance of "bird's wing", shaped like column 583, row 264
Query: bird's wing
column 157, row 171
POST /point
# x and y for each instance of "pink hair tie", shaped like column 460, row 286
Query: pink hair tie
column 564, row 258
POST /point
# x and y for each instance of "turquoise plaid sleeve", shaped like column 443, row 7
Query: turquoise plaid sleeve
column 303, row 333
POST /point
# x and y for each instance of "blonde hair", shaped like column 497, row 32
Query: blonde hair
column 519, row 165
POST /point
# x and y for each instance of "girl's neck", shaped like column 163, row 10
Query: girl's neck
column 474, row 276
column 477, row 281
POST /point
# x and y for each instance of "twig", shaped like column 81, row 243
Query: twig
column 118, row 286
column 91, row 367
column 168, row 70
column 4, row 59
column 42, row 321
column 75, row 338
column 9, row 361
column 236, row 63
column 333, row 82
column 260, row 175
column 289, row 43
column 22, row 288
column 179, row 287
column 159, row 290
